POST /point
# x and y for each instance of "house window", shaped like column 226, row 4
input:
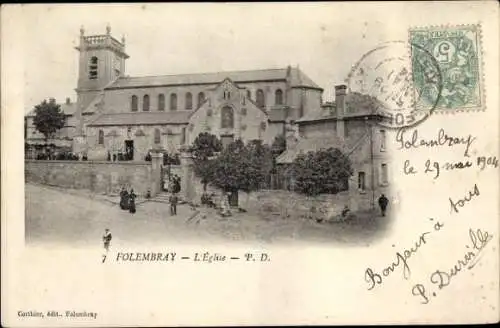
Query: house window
column 346, row 129
column 227, row 117
column 145, row 103
column 157, row 136
column 383, row 174
column 361, row 181
column 161, row 102
column 249, row 94
column 261, row 101
column 189, row 101
column 183, row 136
column 173, row 101
column 101, row 137
column 93, row 68
column 201, row 99
column 382, row 140
column 134, row 104
column 278, row 97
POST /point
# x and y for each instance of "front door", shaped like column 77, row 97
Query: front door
column 129, row 149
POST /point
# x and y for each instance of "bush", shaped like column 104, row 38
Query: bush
column 324, row 171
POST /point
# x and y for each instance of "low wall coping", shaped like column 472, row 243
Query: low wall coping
column 87, row 162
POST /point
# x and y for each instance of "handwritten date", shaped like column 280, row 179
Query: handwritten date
column 435, row 168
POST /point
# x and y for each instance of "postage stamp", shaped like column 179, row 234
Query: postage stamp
column 458, row 53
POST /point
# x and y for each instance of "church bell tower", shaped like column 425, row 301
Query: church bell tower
column 101, row 62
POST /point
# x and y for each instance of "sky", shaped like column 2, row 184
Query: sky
column 324, row 40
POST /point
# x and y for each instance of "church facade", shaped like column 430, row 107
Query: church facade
column 116, row 113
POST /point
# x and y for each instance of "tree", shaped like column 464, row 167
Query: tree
column 324, row 171
column 48, row 118
column 204, row 149
column 228, row 167
column 242, row 167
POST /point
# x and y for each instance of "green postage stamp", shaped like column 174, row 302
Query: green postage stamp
column 457, row 52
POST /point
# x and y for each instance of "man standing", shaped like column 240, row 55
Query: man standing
column 382, row 202
column 173, row 204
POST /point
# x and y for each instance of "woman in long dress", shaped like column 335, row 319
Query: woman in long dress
column 124, row 199
column 131, row 206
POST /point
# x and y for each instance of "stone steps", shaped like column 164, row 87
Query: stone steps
column 164, row 198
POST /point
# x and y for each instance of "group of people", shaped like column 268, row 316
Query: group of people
column 127, row 200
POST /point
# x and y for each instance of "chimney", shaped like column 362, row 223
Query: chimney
column 68, row 101
column 340, row 95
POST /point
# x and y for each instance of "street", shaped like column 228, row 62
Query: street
column 76, row 217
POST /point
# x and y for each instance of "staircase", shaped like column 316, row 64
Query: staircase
column 161, row 197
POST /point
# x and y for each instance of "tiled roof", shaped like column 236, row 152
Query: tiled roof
column 92, row 106
column 298, row 78
column 68, row 109
column 357, row 104
column 142, row 118
column 317, row 143
column 310, row 144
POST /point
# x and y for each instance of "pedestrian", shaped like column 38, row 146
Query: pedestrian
column 124, row 199
column 383, row 202
column 106, row 238
column 131, row 206
column 173, row 204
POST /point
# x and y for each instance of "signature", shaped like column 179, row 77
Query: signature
column 443, row 278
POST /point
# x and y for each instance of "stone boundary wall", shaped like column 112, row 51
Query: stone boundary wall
column 328, row 207
column 96, row 176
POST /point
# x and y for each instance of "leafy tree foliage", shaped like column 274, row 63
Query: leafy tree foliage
column 203, row 150
column 48, row 118
column 242, row 167
column 324, row 171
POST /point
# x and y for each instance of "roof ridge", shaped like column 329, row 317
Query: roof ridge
column 202, row 73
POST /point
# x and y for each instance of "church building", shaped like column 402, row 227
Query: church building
column 117, row 113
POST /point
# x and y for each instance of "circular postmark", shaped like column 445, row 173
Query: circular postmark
column 402, row 80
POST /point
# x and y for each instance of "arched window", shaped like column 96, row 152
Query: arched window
column 201, row 99
column 173, row 101
column 161, row 102
column 261, row 101
column 145, row 103
column 93, row 68
column 157, row 136
column 249, row 94
column 227, row 117
column 101, row 137
column 278, row 97
column 189, row 100
column 134, row 104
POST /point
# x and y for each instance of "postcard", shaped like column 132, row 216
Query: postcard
column 197, row 164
